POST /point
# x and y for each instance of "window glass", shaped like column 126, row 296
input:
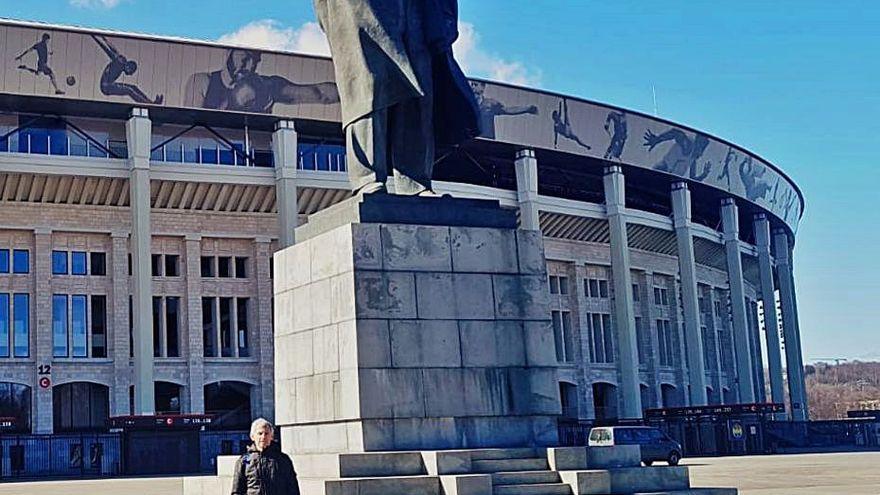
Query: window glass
column 59, row 326
column 209, row 326
column 172, row 324
column 157, row 326
column 98, row 264
column 21, row 324
column 568, row 336
column 598, row 346
column 4, row 325
column 4, row 261
column 635, row 292
column 240, row 267
column 563, row 285
column 224, row 266
column 79, row 326
column 99, row 326
column 208, row 266
column 172, row 265
column 78, row 263
column 554, row 284
column 156, row 265
column 59, row 262
column 241, row 316
column 609, row 340
column 594, row 288
column 226, row 339
column 603, row 288
column 21, row 261
column 557, row 334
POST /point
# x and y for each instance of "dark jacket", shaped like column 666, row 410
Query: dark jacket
column 269, row 472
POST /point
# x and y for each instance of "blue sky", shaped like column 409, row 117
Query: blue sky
column 798, row 82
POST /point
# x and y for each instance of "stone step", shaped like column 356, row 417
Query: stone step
column 505, row 465
column 694, row 491
column 493, row 454
column 525, row 477
column 390, row 485
column 533, row 489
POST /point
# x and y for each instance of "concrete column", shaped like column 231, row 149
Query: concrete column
column 120, row 350
column 41, row 329
column 681, row 211
column 771, row 319
column 797, row 389
column 138, row 135
column 526, row 166
column 624, row 319
column 757, row 356
column 740, row 326
column 192, row 250
column 284, row 150
column 262, row 336
column 650, row 322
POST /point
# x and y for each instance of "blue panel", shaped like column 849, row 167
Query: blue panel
column 4, row 261
column 4, row 325
column 78, row 263
column 59, row 262
column 78, row 327
column 22, row 324
column 21, row 261
column 59, row 326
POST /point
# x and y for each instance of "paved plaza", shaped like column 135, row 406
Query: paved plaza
column 807, row 474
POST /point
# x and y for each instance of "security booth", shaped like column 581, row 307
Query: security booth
column 161, row 444
column 731, row 429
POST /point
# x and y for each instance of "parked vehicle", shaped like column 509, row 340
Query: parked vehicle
column 655, row 445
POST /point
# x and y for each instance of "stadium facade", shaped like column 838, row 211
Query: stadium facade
column 145, row 183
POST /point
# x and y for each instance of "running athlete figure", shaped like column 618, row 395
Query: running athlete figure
column 118, row 66
column 41, row 48
column 615, row 126
column 562, row 126
column 491, row 108
column 682, row 158
column 239, row 87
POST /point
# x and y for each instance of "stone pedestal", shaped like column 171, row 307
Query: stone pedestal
column 405, row 323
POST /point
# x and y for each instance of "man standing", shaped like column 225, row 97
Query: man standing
column 402, row 93
column 264, row 469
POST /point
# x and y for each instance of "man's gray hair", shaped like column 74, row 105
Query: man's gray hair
column 260, row 424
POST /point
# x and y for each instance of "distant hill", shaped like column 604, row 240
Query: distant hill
column 835, row 389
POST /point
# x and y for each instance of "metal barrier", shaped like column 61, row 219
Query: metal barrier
column 831, row 434
column 67, row 455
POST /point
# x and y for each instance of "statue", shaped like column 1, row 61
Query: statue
column 401, row 91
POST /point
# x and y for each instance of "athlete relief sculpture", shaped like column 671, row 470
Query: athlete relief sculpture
column 401, row 91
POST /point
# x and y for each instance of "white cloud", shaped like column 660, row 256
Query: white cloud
column 272, row 35
column 93, row 4
column 308, row 38
column 477, row 61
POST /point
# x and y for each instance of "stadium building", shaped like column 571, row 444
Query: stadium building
column 145, row 183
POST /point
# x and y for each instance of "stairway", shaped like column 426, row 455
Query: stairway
column 519, row 472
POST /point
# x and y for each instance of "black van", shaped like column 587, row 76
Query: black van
column 655, row 445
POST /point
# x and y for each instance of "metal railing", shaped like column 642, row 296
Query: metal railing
column 69, row 455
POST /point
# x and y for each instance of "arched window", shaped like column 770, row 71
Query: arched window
column 168, row 396
column 670, row 395
column 80, row 406
column 230, row 402
column 645, row 396
column 605, row 401
column 569, row 399
column 15, row 402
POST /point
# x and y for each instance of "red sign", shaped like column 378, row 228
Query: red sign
column 45, row 382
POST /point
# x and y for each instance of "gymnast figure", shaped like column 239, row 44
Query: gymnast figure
column 562, row 126
column 118, row 66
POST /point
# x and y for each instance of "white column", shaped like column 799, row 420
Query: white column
column 741, row 331
column 284, row 149
column 138, row 135
column 41, row 329
column 797, row 389
column 681, row 211
column 771, row 320
column 624, row 319
column 262, row 338
column 195, row 344
column 526, row 166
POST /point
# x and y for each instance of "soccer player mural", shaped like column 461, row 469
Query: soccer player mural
column 239, row 86
column 41, row 49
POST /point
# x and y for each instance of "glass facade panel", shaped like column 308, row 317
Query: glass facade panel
column 78, row 263
column 59, row 262
column 21, row 262
column 172, row 326
column 4, row 261
column 157, row 326
column 79, row 326
column 21, row 308
column 241, row 316
column 226, row 338
column 99, row 326
column 224, row 266
column 4, row 325
column 208, row 269
column 240, row 267
column 98, row 264
column 209, row 326
column 59, row 326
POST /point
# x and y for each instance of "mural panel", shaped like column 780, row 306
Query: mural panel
column 90, row 65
